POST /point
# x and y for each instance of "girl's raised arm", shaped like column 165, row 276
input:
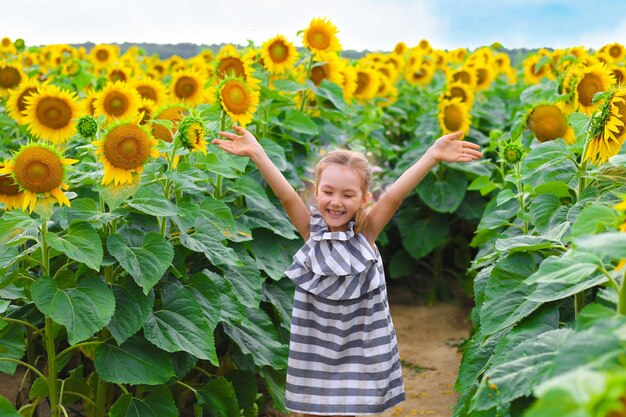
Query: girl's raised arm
column 245, row 144
column 447, row 148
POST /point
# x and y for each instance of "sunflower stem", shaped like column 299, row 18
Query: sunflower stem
column 621, row 303
column 52, row 371
column 520, row 196
column 304, row 102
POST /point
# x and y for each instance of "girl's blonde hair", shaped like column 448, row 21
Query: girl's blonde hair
column 361, row 165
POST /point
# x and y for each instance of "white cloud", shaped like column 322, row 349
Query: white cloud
column 362, row 24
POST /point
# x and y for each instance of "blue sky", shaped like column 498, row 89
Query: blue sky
column 362, row 24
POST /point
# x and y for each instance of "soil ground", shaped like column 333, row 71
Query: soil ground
column 428, row 338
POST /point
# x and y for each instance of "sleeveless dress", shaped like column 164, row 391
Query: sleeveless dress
column 343, row 352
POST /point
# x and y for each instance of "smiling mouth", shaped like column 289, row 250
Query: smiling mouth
column 335, row 213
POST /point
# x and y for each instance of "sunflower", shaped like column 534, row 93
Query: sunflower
column 37, row 168
column 484, row 77
column 146, row 110
column 174, row 113
column 11, row 76
column 16, row 104
column 387, row 92
column 152, row 90
column 400, row 48
column 586, row 82
column 321, row 38
column 7, row 47
column 117, row 100
column 607, row 132
column 619, row 72
column 461, row 90
column 50, row 113
column 463, row 75
column 238, row 100
column 367, row 82
column 548, row 122
column 230, row 63
column 124, row 149
column 188, row 87
column 279, row 55
column 191, row 133
column 615, row 50
column 453, row 116
column 119, row 72
column 533, row 72
column 328, row 70
column 424, row 45
column 10, row 194
column 349, row 82
column 103, row 55
column 87, row 103
column 421, row 74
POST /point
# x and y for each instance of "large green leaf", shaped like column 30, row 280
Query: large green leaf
column 330, row 91
column 443, row 194
column 548, row 161
column 6, row 408
column 86, row 209
column 116, row 195
column 421, row 236
column 81, row 243
column 280, row 295
column 252, row 191
column 218, row 398
column 159, row 403
column 245, row 386
column 299, row 122
column 594, row 219
column 220, row 216
column 561, row 277
column 611, row 244
column 147, row 263
column 179, row 325
column 270, row 218
column 270, row 253
column 208, row 297
column 275, row 382
column 526, row 243
column 232, row 310
column 527, row 365
column 506, row 293
column 12, row 346
column 209, row 242
column 132, row 307
column 152, row 203
column 542, row 210
column 247, row 282
column 14, row 223
column 136, row 361
column 260, row 340
column 83, row 309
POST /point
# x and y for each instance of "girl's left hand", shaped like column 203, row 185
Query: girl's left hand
column 449, row 148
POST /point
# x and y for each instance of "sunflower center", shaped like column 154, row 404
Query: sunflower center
column 318, row 39
column 319, row 74
column 117, row 75
column 278, row 52
column 9, row 77
column 127, row 147
column 547, row 123
column 6, row 42
column 21, row 100
column 230, row 66
column 457, row 92
column 115, row 104
column 185, row 87
column 587, row 88
column 453, row 118
column 615, row 51
column 38, row 169
column 481, row 76
column 148, row 92
column 8, row 185
column 54, row 113
column 235, row 97
column 102, row 55
column 462, row 76
column 362, row 82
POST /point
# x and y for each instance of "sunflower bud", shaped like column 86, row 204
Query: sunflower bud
column 512, row 153
column 19, row 44
column 87, row 126
column 191, row 133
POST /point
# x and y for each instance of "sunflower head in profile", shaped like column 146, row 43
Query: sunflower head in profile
column 367, row 83
column 187, row 87
column 10, row 194
column 585, row 82
column 326, row 70
column 191, row 133
column 279, row 55
column 484, row 77
column 349, row 82
column 125, row 148
column 607, row 129
column 460, row 90
column 146, row 111
column 453, row 116
column 321, row 38
column 16, row 104
column 117, row 101
column 172, row 113
column 400, row 48
column 11, row 75
column 50, row 113
column 38, row 168
column 238, row 100
column 536, row 69
column 465, row 75
column 548, row 121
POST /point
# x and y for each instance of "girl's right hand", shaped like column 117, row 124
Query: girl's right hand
column 243, row 144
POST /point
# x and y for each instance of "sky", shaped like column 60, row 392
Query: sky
column 362, row 24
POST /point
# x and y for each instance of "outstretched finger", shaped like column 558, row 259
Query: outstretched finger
column 239, row 129
column 471, row 145
column 453, row 135
column 221, row 143
column 228, row 135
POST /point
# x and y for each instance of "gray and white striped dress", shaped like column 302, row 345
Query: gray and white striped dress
column 343, row 352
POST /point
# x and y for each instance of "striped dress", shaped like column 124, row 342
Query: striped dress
column 343, row 352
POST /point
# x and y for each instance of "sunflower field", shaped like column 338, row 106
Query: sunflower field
column 141, row 268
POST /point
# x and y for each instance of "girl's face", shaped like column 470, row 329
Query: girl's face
column 339, row 196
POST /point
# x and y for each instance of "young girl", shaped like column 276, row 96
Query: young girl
column 343, row 352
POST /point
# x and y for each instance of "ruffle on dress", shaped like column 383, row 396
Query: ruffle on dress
column 335, row 265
